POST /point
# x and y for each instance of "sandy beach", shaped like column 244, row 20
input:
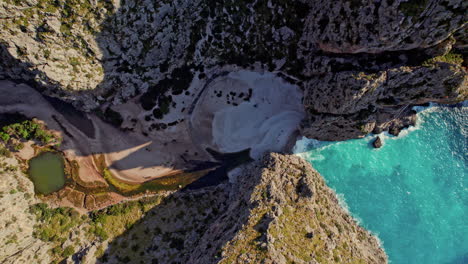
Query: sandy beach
column 233, row 112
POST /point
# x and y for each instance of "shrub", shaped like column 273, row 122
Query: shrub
column 26, row 130
column 68, row 251
column 54, row 224
column 5, row 152
column 4, row 136
column 452, row 58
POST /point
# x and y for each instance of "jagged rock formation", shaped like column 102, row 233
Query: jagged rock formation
column 279, row 210
column 364, row 56
column 361, row 64
column 378, row 26
column 350, row 104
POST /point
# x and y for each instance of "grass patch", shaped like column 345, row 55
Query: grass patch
column 116, row 219
column 452, row 58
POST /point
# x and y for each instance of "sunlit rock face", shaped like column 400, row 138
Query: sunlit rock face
column 248, row 110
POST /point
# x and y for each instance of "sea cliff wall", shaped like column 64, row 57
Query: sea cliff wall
column 360, row 64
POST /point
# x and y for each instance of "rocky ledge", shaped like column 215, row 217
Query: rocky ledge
column 277, row 210
column 360, row 64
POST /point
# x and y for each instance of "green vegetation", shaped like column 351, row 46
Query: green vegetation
column 172, row 182
column 12, row 239
column 74, row 62
column 68, row 251
column 413, row 7
column 7, row 167
column 452, row 58
column 26, row 130
column 116, row 219
column 5, row 152
column 54, row 223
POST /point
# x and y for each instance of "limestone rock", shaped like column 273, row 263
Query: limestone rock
column 377, row 26
column 377, row 142
column 248, row 232
column 16, row 222
column 348, row 105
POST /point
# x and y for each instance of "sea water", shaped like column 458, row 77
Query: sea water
column 413, row 192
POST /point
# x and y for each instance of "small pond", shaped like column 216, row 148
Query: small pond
column 47, row 172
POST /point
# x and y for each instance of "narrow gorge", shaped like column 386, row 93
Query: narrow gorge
column 156, row 131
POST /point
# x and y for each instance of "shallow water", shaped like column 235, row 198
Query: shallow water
column 47, row 172
column 412, row 192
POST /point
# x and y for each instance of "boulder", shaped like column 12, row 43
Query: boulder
column 377, row 143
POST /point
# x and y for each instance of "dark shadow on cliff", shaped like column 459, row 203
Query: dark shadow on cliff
column 82, row 122
column 172, row 228
column 172, row 231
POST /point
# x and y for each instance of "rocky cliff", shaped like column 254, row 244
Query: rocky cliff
column 279, row 210
column 359, row 62
column 275, row 210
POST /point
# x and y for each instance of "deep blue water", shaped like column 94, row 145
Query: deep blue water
column 413, row 192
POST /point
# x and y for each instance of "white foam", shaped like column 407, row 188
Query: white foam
column 342, row 202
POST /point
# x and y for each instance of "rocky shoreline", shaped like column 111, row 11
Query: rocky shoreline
column 148, row 80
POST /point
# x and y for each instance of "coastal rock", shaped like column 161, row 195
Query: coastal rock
column 348, row 105
column 253, row 234
column 377, row 142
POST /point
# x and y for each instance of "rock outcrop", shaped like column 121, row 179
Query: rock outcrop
column 361, row 65
column 351, row 104
column 278, row 210
column 378, row 26
column 377, row 143
column 16, row 222
column 281, row 211
column 359, row 62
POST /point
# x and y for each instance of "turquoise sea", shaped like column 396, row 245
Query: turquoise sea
column 413, row 192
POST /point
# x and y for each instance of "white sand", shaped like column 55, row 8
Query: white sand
column 264, row 123
column 130, row 155
column 222, row 119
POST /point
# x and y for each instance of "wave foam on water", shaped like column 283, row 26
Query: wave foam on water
column 304, row 145
column 411, row 193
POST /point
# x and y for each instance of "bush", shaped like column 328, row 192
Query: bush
column 26, row 130
column 5, row 152
column 4, row 136
column 18, row 146
column 68, row 251
column 452, row 58
column 54, row 224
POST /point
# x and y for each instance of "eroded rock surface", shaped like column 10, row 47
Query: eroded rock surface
column 356, row 60
column 142, row 64
column 279, row 210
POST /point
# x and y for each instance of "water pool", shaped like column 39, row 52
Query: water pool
column 47, row 172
